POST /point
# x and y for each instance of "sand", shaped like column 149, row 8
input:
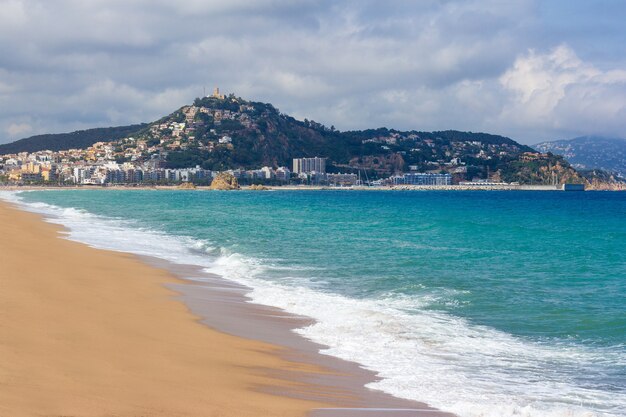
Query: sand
column 85, row 332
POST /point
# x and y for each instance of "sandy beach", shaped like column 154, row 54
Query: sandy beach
column 85, row 332
column 88, row 332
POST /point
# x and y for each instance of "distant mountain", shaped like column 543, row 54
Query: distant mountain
column 590, row 152
column 75, row 140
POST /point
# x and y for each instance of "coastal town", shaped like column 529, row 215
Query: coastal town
column 259, row 146
column 208, row 127
column 95, row 166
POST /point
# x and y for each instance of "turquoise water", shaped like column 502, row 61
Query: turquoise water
column 518, row 297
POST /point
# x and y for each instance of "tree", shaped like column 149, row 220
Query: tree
column 153, row 142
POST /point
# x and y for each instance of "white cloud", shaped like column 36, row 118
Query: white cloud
column 557, row 90
column 18, row 129
column 12, row 13
column 5, row 88
column 425, row 65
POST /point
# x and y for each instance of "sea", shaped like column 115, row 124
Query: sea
column 482, row 303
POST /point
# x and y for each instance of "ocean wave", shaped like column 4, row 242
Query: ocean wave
column 444, row 360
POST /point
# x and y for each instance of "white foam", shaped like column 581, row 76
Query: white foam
column 470, row 370
column 466, row 369
column 119, row 235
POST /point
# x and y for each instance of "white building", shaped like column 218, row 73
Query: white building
column 268, row 173
column 283, row 174
column 308, row 165
column 344, row 180
column 416, row 178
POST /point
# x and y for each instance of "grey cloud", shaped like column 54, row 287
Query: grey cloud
column 430, row 64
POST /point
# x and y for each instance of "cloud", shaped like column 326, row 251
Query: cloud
column 557, row 90
column 18, row 129
column 426, row 65
column 12, row 13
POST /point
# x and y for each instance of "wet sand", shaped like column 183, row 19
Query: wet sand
column 223, row 305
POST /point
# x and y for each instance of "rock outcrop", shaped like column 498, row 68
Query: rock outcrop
column 187, row 186
column 225, row 181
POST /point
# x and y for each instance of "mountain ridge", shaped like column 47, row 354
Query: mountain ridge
column 590, row 152
column 62, row 141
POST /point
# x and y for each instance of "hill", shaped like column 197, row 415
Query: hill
column 220, row 133
column 590, row 152
column 227, row 132
column 75, row 140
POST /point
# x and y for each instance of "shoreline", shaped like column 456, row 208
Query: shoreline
column 397, row 188
column 283, row 372
column 223, row 305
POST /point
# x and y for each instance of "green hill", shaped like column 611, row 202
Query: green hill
column 75, row 140
column 220, row 133
column 259, row 135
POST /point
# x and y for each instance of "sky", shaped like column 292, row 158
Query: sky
column 527, row 69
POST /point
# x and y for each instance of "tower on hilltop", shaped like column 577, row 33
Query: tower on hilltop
column 216, row 94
